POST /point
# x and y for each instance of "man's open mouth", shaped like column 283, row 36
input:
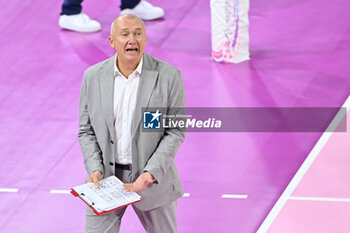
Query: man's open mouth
column 132, row 50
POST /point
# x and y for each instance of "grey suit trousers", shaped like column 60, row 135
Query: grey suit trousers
column 158, row 220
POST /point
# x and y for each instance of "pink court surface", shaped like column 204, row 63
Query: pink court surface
column 236, row 182
column 317, row 198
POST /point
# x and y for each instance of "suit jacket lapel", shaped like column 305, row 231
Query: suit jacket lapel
column 148, row 78
column 107, row 94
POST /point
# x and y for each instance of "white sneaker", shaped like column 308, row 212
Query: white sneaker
column 145, row 11
column 79, row 23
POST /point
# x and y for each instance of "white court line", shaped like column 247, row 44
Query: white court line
column 186, row 194
column 8, row 190
column 320, row 199
column 237, row 196
column 56, row 191
column 301, row 172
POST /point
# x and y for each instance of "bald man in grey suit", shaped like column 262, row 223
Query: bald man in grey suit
column 113, row 94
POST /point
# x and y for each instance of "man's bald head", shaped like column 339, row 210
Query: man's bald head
column 120, row 18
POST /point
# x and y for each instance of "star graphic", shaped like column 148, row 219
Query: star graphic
column 156, row 115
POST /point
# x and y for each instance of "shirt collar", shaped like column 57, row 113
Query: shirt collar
column 117, row 72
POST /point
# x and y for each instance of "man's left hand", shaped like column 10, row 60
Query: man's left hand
column 140, row 183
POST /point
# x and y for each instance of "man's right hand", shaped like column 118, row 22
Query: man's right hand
column 95, row 177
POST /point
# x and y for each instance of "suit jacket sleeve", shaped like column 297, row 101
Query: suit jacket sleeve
column 172, row 138
column 91, row 151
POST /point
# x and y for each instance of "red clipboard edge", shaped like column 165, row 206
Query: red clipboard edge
column 72, row 191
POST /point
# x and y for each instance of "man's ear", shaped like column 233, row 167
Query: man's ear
column 111, row 41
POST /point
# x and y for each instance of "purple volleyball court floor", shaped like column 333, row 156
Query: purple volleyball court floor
column 300, row 53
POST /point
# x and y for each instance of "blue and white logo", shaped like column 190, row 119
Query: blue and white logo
column 151, row 120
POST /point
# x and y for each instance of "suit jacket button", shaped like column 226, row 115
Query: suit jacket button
column 112, row 142
column 111, row 163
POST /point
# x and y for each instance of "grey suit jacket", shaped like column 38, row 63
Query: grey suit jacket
column 160, row 85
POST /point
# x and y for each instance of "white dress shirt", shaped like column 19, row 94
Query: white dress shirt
column 125, row 91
